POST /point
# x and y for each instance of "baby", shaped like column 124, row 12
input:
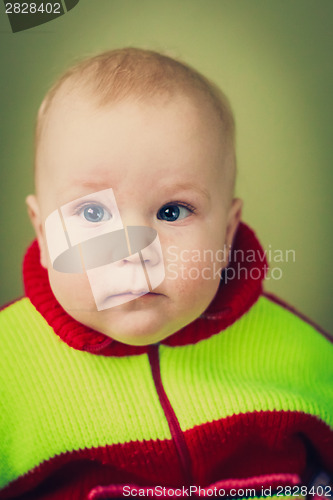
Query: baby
column 133, row 367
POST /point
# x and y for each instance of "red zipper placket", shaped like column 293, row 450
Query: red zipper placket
column 175, row 430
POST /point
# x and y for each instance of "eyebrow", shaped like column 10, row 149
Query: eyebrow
column 185, row 186
column 98, row 185
column 89, row 185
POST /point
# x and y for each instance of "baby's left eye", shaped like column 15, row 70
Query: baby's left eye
column 94, row 213
column 171, row 213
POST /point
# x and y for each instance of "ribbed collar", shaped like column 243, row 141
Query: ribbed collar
column 232, row 300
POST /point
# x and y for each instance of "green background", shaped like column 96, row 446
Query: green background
column 274, row 61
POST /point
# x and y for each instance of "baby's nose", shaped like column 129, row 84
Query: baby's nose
column 142, row 245
column 132, row 244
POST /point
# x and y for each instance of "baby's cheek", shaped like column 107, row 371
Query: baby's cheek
column 195, row 283
column 72, row 291
column 196, row 266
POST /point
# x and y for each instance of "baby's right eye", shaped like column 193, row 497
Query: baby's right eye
column 94, row 213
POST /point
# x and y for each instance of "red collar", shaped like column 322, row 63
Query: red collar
column 232, row 300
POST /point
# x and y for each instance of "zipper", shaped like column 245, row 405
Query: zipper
column 175, row 430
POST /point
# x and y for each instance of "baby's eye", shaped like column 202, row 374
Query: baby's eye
column 171, row 213
column 94, row 213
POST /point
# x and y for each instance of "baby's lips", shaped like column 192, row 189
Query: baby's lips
column 117, row 279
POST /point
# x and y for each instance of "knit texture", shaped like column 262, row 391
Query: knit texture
column 68, row 396
column 68, row 400
column 243, row 394
column 242, row 366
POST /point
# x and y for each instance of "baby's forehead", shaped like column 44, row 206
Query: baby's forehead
column 71, row 97
column 76, row 109
column 80, row 106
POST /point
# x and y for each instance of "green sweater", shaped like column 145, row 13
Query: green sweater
column 252, row 402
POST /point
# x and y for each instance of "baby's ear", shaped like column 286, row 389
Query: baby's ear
column 234, row 217
column 35, row 217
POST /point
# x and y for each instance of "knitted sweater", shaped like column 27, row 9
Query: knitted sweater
column 242, row 398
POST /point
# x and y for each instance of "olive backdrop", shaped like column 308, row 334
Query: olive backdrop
column 274, row 61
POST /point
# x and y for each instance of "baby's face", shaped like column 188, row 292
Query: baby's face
column 158, row 165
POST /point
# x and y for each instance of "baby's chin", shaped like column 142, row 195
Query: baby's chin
column 140, row 322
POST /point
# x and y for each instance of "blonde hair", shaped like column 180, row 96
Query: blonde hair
column 116, row 75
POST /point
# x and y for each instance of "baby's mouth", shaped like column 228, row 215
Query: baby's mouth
column 129, row 295
column 134, row 295
column 137, row 293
